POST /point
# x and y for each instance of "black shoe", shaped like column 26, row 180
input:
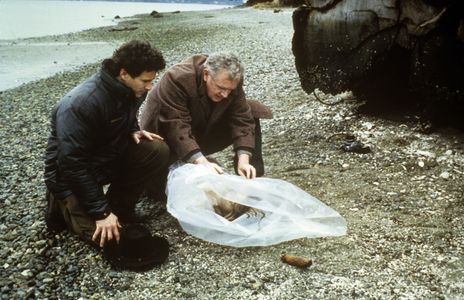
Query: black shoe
column 53, row 218
column 137, row 250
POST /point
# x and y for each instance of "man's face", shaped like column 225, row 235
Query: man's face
column 220, row 86
column 140, row 84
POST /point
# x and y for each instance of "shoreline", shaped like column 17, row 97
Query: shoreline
column 402, row 202
column 24, row 62
column 50, row 16
column 33, row 58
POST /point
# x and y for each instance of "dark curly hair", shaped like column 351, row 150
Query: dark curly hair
column 135, row 57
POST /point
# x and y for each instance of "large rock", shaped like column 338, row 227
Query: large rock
column 388, row 52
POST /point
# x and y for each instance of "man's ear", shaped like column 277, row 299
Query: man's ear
column 123, row 74
column 205, row 75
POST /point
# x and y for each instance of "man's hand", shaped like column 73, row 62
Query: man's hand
column 142, row 134
column 244, row 168
column 107, row 229
column 204, row 160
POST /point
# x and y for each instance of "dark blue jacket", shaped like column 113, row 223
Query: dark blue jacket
column 90, row 129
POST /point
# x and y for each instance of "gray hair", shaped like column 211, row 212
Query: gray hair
column 223, row 61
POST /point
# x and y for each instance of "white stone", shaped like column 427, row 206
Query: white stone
column 27, row 273
column 368, row 125
column 425, row 153
column 445, row 175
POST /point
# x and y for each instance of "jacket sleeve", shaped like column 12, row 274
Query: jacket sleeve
column 175, row 119
column 241, row 122
column 76, row 126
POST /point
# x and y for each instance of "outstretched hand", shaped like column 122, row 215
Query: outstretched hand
column 244, row 168
column 203, row 160
column 107, row 229
column 142, row 134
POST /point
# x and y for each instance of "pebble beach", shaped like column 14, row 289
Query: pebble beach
column 403, row 202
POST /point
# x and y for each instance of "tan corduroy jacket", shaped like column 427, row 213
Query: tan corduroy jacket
column 178, row 108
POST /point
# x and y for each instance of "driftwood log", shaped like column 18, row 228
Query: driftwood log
column 389, row 53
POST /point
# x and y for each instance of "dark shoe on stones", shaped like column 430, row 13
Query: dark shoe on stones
column 137, row 249
column 53, row 218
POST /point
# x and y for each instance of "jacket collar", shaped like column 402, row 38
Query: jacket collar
column 201, row 83
column 116, row 87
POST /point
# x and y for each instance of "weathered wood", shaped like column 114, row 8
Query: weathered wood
column 383, row 50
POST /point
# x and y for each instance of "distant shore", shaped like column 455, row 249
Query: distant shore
column 28, row 59
column 21, row 19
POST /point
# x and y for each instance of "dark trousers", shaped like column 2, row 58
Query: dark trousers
column 217, row 140
column 144, row 164
column 212, row 142
column 141, row 165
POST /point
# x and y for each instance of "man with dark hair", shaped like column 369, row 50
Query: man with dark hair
column 200, row 107
column 95, row 140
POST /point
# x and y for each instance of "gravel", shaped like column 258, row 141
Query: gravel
column 403, row 201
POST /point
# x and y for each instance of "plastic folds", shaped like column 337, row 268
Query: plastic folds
column 234, row 211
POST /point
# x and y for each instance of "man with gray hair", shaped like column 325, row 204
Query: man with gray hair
column 199, row 106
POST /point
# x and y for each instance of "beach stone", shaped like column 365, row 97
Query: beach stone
column 445, row 175
column 156, row 14
column 27, row 273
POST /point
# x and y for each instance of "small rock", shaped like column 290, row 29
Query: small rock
column 156, row 14
column 27, row 273
column 47, row 280
column 445, row 175
column 368, row 125
column 425, row 153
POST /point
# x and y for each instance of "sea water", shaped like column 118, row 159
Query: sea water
column 32, row 18
column 23, row 60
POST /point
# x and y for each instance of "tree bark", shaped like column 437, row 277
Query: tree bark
column 388, row 52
